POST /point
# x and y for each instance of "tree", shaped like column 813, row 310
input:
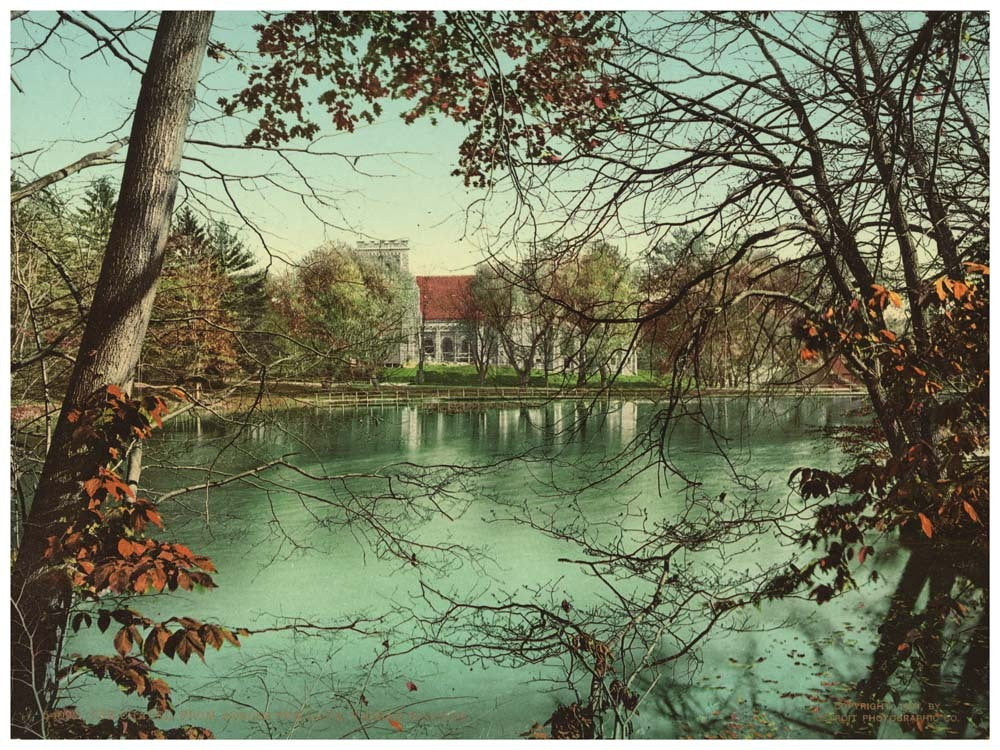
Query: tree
column 847, row 153
column 348, row 312
column 564, row 59
column 483, row 336
column 596, row 285
column 109, row 350
column 209, row 307
column 516, row 317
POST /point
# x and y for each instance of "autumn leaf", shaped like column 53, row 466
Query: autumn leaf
column 395, row 725
column 939, row 288
column 599, row 102
column 977, row 268
column 411, row 686
column 925, row 524
column 970, row 510
column 124, row 547
column 123, row 642
column 888, row 334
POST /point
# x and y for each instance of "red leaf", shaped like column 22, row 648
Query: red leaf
column 154, row 517
column 862, row 554
column 925, row 524
column 411, row 686
column 599, row 102
column 395, row 725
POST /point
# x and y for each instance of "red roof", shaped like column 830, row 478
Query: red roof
column 444, row 297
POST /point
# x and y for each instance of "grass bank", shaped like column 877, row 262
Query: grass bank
column 505, row 377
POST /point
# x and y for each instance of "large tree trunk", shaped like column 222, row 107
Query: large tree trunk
column 113, row 337
column 887, row 657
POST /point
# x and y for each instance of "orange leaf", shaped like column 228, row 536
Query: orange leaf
column 903, row 646
column 124, row 547
column 888, row 334
column 978, row 268
column 154, row 517
column 895, row 299
column 862, row 554
column 123, row 642
column 395, row 725
column 114, row 390
column 970, row 510
column 925, row 524
column 158, row 577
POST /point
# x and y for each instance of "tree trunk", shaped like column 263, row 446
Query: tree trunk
column 116, row 326
column 887, row 657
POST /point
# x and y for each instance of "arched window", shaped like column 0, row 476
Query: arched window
column 447, row 350
column 429, row 346
column 464, row 351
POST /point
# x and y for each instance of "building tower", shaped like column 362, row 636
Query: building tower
column 393, row 254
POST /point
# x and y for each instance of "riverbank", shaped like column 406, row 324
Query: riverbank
column 293, row 394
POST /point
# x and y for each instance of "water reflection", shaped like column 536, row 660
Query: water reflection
column 333, row 573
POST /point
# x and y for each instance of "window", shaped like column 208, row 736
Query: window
column 464, row 351
column 429, row 346
column 447, row 350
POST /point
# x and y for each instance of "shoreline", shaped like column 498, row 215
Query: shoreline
column 286, row 395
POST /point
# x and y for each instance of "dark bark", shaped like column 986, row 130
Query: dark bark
column 110, row 347
column 887, row 656
column 975, row 678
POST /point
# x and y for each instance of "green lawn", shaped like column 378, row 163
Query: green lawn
column 465, row 375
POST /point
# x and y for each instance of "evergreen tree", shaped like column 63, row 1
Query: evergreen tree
column 98, row 211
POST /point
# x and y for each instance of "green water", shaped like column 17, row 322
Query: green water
column 285, row 550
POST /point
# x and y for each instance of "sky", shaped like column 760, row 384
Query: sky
column 67, row 107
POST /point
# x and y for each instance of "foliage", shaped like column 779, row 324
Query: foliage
column 596, row 286
column 106, row 550
column 209, row 298
column 343, row 313
column 489, row 70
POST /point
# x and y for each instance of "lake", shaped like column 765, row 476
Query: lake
column 292, row 548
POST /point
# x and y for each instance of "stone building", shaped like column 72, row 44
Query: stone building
column 442, row 322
